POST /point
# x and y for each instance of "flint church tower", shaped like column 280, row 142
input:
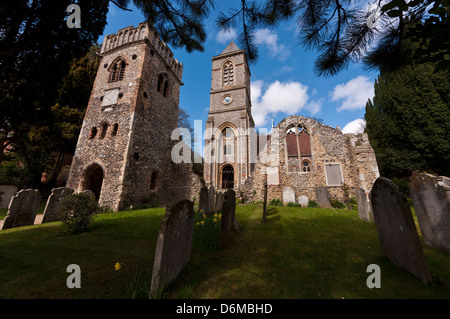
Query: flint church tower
column 230, row 118
column 123, row 151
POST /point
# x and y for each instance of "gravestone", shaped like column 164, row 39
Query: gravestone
column 6, row 193
column 229, row 226
column 23, row 208
column 211, row 199
column 203, row 200
column 431, row 200
column 53, row 209
column 174, row 244
column 89, row 193
column 323, row 197
column 397, row 232
column 364, row 210
column 288, row 195
column 219, row 202
column 273, row 176
column 303, row 200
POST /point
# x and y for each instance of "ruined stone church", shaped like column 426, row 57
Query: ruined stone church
column 124, row 149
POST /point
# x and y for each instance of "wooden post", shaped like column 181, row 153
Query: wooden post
column 265, row 203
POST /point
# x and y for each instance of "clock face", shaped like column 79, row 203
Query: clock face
column 227, row 99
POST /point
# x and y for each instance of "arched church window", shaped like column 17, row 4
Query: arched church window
column 92, row 133
column 298, row 149
column 104, row 130
column 117, row 70
column 163, row 84
column 228, row 73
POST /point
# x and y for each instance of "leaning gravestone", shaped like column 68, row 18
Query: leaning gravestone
column 323, row 197
column 363, row 205
column 53, row 209
column 23, row 208
column 173, row 248
column 303, row 200
column 431, row 200
column 203, row 200
column 288, row 195
column 219, row 202
column 211, row 199
column 229, row 226
column 397, row 232
column 6, row 193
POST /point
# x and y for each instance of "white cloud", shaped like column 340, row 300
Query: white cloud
column 226, row 36
column 354, row 94
column 285, row 97
column 357, row 126
column 270, row 40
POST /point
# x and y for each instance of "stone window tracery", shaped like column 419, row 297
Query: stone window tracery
column 117, row 70
column 298, row 149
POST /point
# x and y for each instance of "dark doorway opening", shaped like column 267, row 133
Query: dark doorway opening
column 228, row 177
column 94, row 180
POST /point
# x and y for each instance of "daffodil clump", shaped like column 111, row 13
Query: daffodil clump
column 207, row 230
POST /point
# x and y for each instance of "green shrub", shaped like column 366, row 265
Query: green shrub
column 292, row 204
column 312, row 204
column 276, row 202
column 335, row 203
column 353, row 203
column 77, row 212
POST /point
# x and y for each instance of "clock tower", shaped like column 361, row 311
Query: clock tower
column 230, row 121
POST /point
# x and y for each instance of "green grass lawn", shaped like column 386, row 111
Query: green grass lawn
column 298, row 253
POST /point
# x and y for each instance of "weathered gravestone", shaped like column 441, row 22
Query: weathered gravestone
column 203, row 200
column 219, row 202
column 288, row 195
column 431, row 200
column 211, row 200
column 323, row 197
column 23, row 208
column 364, row 210
column 53, row 209
column 229, row 226
column 89, row 193
column 174, row 244
column 303, row 200
column 397, row 232
column 6, row 193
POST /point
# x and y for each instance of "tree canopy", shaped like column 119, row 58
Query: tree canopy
column 408, row 121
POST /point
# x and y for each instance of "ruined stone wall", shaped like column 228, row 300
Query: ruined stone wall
column 328, row 146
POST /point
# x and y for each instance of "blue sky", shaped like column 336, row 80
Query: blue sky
column 283, row 79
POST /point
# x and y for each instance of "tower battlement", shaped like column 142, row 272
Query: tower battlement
column 142, row 33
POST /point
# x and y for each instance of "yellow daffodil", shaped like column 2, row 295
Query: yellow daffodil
column 202, row 222
column 204, row 216
column 198, row 223
column 214, row 220
column 117, row 266
column 215, row 215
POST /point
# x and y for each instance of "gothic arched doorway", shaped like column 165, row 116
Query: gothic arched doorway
column 94, row 180
column 227, row 177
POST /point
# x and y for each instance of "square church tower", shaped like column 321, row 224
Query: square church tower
column 227, row 144
column 124, row 145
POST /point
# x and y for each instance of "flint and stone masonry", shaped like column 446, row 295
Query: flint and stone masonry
column 123, row 153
